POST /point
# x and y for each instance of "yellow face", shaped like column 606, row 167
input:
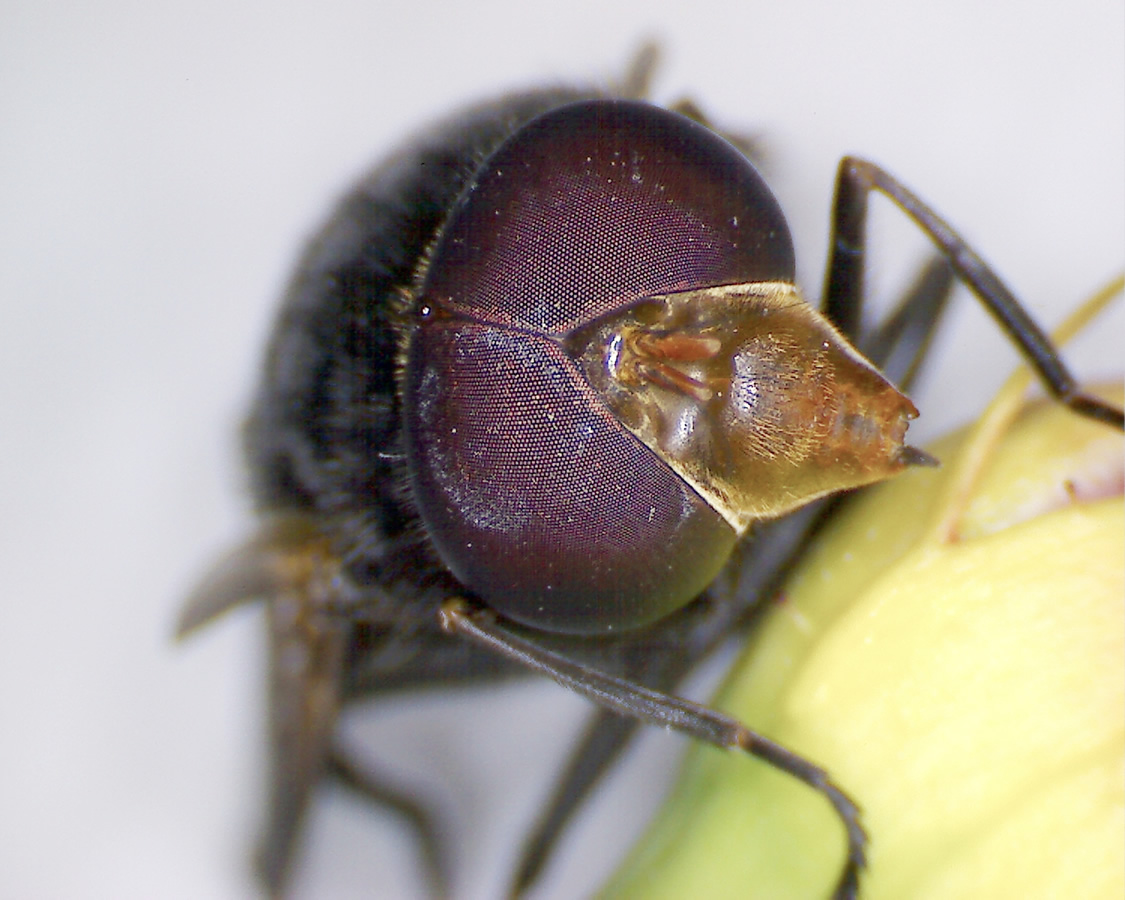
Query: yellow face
column 752, row 396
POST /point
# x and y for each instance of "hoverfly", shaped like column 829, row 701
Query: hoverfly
column 543, row 396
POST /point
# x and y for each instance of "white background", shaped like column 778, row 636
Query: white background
column 159, row 166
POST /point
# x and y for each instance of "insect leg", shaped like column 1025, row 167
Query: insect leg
column 291, row 566
column 898, row 346
column 306, row 660
column 606, row 735
column 482, row 626
column 843, row 290
column 661, row 660
column 386, row 795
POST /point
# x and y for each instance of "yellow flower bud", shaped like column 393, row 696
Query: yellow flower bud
column 957, row 663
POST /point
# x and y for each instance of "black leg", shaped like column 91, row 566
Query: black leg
column 306, row 661
column 899, row 345
column 481, row 625
column 662, row 658
column 605, row 737
column 383, row 793
column 844, row 280
column 290, row 565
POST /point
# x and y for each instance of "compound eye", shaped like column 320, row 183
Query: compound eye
column 595, row 205
column 535, row 495
column 542, row 504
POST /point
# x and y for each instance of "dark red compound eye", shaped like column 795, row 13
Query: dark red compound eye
column 535, row 495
